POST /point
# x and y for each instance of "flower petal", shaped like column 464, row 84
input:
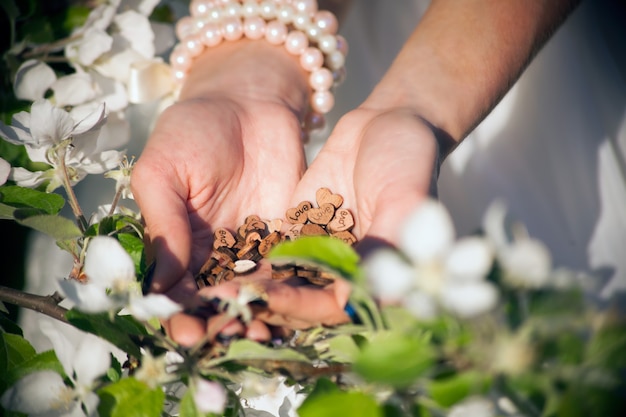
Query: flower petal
column 63, row 347
column 209, row 396
column 428, row 232
column 49, row 125
column 35, row 393
column 388, row 275
column 136, row 29
column 92, row 359
column 5, row 169
column 106, row 262
column 73, row 89
column 469, row 299
column 88, row 298
column 32, row 80
column 471, row 258
column 527, row 263
column 420, row 305
column 153, row 306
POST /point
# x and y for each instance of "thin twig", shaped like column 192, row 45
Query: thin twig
column 48, row 305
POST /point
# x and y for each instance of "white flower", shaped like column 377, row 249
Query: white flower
column 153, row 371
column 110, row 272
column 440, row 272
column 209, row 396
column 32, row 80
column 44, row 393
column 122, row 178
column 5, row 169
column 152, row 306
column 473, row 407
column 526, row 262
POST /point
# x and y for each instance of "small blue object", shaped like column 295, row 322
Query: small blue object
column 351, row 312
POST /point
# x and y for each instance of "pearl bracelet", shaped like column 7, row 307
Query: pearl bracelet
column 304, row 30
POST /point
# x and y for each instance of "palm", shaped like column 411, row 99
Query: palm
column 382, row 163
column 226, row 162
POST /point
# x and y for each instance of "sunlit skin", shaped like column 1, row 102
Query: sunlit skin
column 231, row 147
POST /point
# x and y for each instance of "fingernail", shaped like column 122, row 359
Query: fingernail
column 147, row 278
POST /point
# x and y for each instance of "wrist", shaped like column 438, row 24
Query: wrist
column 252, row 70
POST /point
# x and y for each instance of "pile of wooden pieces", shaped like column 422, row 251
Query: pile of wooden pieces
column 238, row 253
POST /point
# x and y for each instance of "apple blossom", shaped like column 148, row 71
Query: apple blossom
column 5, row 169
column 209, row 396
column 437, row 271
column 44, row 393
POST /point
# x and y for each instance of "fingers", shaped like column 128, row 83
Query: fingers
column 167, row 224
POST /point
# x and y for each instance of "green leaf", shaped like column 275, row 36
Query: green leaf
column 75, row 16
column 340, row 404
column 14, row 350
column 453, row 389
column 116, row 330
column 59, row 228
column 130, row 398
column 245, row 349
column 188, row 406
column 133, row 245
column 323, row 250
column 395, row 359
column 21, row 197
column 341, row 348
column 44, row 361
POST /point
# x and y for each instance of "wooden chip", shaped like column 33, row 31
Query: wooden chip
column 299, row 214
column 253, row 235
column 283, row 271
column 346, row 236
column 256, row 226
column 322, row 215
column 294, row 231
column 342, row 221
column 249, row 251
column 268, row 243
column 311, row 229
column 244, row 266
column 324, row 195
column 223, row 238
column 274, row 225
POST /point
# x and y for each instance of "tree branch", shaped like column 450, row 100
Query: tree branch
column 48, row 305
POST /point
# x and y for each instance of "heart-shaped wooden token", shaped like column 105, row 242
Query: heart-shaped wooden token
column 343, row 220
column 294, row 231
column 324, row 195
column 311, row 229
column 346, row 236
column 322, row 215
column 299, row 214
column 223, row 238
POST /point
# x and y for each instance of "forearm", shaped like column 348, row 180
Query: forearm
column 463, row 57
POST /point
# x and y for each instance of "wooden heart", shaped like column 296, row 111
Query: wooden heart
column 322, row 215
column 324, row 195
column 223, row 238
column 294, row 231
column 311, row 229
column 299, row 214
column 346, row 236
column 343, row 220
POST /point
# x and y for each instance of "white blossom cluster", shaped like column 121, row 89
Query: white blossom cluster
column 433, row 272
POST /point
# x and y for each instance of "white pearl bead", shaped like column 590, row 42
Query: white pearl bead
column 211, row 34
column 335, row 60
column 296, row 42
column 232, row 29
column 285, row 14
column 193, row 45
column 301, row 21
column 327, row 43
column 254, row 27
column 185, row 27
column 305, row 6
column 322, row 101
column 326, row 21
column 311, row 59
column 179, row 75
column 249, row 9
column 232, row 9
column 215, row 15
column 275, row 32
column 342, row 45
column 200, row 8
column 180, row 59
column 267, row 10
column 321, row 79
column 313, row 32
column 339, row 76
